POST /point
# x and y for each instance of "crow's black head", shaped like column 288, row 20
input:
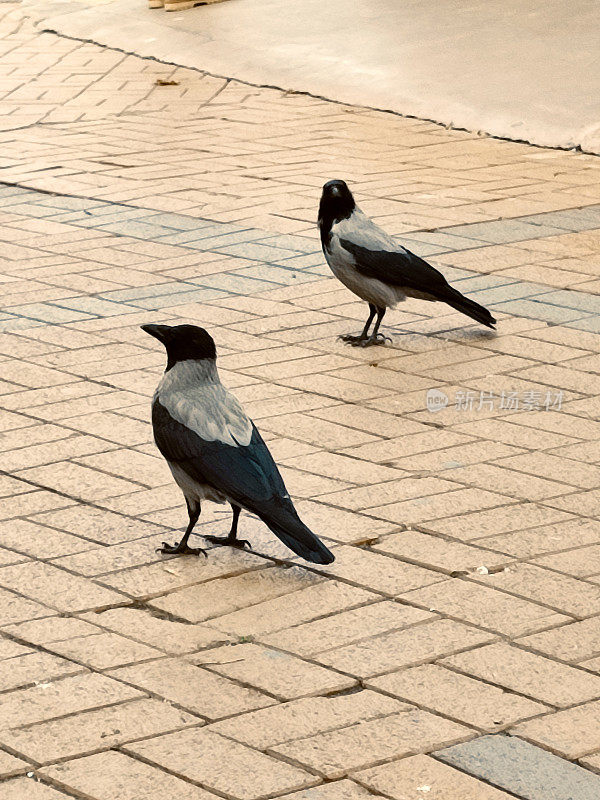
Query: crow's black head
column 183, row 342
column 336, row 204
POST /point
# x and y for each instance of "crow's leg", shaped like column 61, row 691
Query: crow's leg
column 375, row 337
column 183, row 548
column 349, row 337
column 231, row 539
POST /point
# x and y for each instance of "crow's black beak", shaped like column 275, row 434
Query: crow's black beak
column 160, row 332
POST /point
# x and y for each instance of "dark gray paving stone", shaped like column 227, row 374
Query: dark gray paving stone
column 590, row 324
column 521, row 768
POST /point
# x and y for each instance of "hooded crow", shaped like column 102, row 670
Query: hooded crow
column 377, row 268
column 214, row 450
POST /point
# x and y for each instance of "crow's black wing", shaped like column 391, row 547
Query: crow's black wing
column 415, row 276
column 246, row 475
column 398, row 268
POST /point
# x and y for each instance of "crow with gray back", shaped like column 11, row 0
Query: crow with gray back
column 214, row 450
column 377, row 268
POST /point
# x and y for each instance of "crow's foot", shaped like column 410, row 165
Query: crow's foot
column 228, row 540
column 180, row 550
column 379, row 338
column 352, row 339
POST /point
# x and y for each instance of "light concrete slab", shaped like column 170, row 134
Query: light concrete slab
column 519, row 69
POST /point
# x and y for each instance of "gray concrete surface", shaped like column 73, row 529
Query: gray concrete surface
column 520, row 69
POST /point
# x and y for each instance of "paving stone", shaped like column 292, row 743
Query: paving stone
column 95, row 730
column 337, row 790
column 574, row 642
column 104, row 650
column 306, row 717
column 545, row 539
column 434, row 552
column 224, row 595
column 194, row 689
column 293, row 609
column 72, row 694
column 458, row 696
column 485, row 607
column 422, row 774
column 496, row 521
column 36, row 667
column 56, row 588
column 339, row 630
column 10, row 765
column 562, row 592
column 335, row 753
column 522, row 769
column 571, row 733
column 99, row 776
column 280, row 674
column 18, row 609
column 378, row 572
column 18, row 788
column 164, row 634
column 545, row 680
column 404, row 648
column 227, row 767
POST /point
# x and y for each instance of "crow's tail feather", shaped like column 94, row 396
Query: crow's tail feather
column 301, row 540
column 469, row 307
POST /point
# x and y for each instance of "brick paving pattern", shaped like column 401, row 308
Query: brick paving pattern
column 463, row 604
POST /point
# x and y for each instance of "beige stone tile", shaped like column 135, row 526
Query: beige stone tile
column 96, row 776
column 342, row 525
column 194, row 689
column 10, row 765
column 172, row 573
column 318, row 432
column 402, row 780
column 581, row 563
column 334, row 465
column 585, row 503
column 306, row 717
column 451, row 458
column 225, row 595
column 36, row 667
column 527, row 673
column 285, row 676
column 485, row 607
column 336, row 790
column 436, row 506
column 509, row 482
column 567, row 595
column 68, row 696
column 56, row 588
column 95, row 524
column 457, row 696
column 15, row 608
column 38, row 540
column 19, row 788
column 77, row 481
column 292, row 609
column 104, row 650
column 227, row 767
column 403, row 648
column 572, row 733
column 168, row 635
column 365, row 497
column 530, row 435
column 574, row 642
column 433, row 552
column 98, row 729
column 550, row 538
column 377, row 572
column 336, row 753
column 346, row 627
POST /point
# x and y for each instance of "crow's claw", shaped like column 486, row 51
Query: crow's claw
column 379, row 338
column 226, row 540
column 180, row 550
column 351, row 338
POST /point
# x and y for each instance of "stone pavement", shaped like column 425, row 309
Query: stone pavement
column 453, row 648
